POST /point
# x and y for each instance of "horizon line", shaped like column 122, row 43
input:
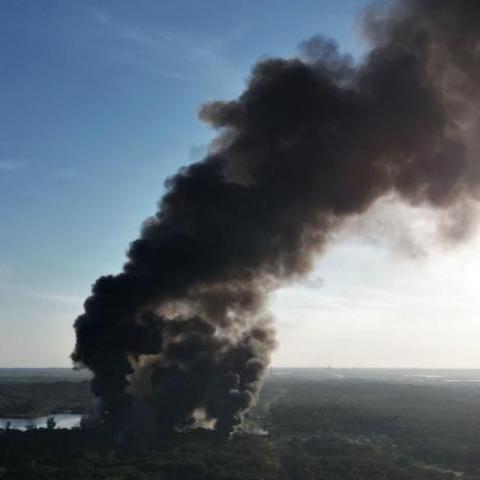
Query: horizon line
column 327, row 367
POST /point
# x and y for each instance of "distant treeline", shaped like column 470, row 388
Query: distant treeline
column 32, row 399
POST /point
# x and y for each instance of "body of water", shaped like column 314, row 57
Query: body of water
column 62, row 420
column 427, row 376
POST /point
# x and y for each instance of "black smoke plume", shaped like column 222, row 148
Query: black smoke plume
column 183, row 331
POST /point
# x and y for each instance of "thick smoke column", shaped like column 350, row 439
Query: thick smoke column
column 311, row 142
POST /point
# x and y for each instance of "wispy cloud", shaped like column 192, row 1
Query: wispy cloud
column 364, row 299
column 58, row 298
column 6, row 272
column 166, row 52
column 315, row 283
column 10, row 164
column 64, row 174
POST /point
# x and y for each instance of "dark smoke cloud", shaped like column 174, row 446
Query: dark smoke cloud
column 312, row 141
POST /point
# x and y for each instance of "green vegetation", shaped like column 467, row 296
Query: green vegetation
column 318, row 429
column 32, row 399
column 367, row 430
column 93, row 455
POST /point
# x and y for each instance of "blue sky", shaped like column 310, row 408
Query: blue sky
column 99, row 106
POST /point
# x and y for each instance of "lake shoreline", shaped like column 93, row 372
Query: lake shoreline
column 61, row 420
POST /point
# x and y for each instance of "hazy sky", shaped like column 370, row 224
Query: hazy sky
column 99, row 103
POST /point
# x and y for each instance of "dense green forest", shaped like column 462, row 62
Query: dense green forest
column 301, row 429
column 31, row 399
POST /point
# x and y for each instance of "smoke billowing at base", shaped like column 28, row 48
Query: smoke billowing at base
column 182, row 337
